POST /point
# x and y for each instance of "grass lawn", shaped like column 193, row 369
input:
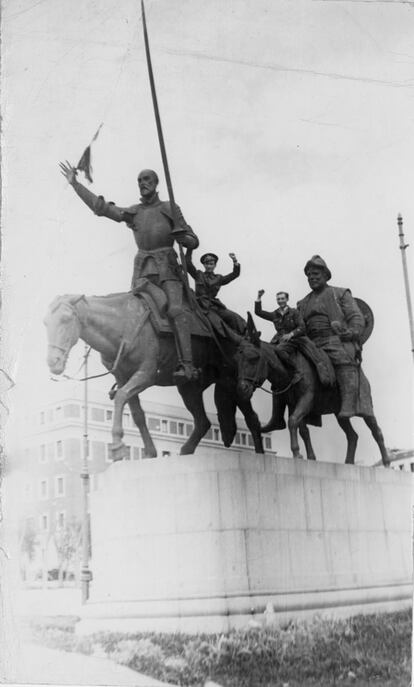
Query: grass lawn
column 364, row 650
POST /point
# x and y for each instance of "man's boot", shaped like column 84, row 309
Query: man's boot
column 185, row 372
column 347, row 378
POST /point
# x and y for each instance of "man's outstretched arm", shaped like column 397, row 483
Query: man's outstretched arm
column 258, row 310
column 97, row 204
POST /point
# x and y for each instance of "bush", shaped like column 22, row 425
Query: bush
column 375, row 647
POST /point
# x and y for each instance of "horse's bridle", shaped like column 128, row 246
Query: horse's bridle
column 258, row 385
column 65, row 351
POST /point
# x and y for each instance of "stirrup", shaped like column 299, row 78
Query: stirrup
column 185, row 372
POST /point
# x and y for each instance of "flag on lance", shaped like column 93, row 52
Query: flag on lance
column 84, row 165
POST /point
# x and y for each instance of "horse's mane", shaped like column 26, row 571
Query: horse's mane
column 72, row 298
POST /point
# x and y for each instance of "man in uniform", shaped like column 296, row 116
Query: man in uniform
column 151, row 220
column 291, row 336
column 207, row 286
column 334, row 322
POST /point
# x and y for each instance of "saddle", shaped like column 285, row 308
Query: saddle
column 155, row 301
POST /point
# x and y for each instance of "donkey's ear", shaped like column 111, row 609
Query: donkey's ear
column 251, row 327
column 252, row 334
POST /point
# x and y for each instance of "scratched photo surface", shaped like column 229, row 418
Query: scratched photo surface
column 289, row 132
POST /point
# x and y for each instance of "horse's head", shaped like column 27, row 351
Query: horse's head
column 250, row 362
column 63, row 330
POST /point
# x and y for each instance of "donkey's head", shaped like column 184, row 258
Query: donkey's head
column 251, row 367
column 63, row 330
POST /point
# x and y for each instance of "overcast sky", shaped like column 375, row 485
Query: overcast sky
column 289, row 128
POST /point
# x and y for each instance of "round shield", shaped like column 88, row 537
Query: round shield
column 368, row 317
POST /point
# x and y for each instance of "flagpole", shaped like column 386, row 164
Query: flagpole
column 176, row 228
column 403, row 248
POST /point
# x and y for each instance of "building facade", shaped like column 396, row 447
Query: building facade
column 54, row 445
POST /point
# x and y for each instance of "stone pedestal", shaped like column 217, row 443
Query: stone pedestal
column 204, row 543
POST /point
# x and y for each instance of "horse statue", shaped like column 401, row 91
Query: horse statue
column 120, row 328
column 306, row 400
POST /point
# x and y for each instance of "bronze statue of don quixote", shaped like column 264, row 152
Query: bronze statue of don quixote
column 163, row 332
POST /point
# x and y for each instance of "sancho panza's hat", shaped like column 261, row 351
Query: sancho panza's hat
column 206, row 256
column 317, row 261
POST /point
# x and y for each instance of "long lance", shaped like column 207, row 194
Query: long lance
column 176, row 227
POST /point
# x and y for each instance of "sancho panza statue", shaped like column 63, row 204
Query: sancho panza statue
column 334, row 322
column 152, row 223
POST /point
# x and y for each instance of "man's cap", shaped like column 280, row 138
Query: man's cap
column 206, row 256
column 319, row 263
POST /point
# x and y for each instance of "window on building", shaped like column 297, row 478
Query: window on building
column 126, row 419
column 61, row 519
column 58, row 413
column 98, row 450
column 43, row 489
column 412, row 467
column 188, row 429
column 59, row 450
column 401, row 467
column 173, row 427
column 108, row 415
column 42, row 418
column 268, row 442
column 209, row 434
column 216, row 433
column 181, row 429
column 243, row 439
column 237, row 438
column 128, row 453
column 164, row 426
column 42, row 454
column 97, row 414
column 44, row 522
column 250, row 440
column 154, row 424
column 71, row 410
column 59, row 485
column 135, row 453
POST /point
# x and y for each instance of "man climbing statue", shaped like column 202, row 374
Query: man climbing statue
column 291, row 337
column 207, row 286
column 151, row 221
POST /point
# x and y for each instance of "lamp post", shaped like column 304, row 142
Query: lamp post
column 86, row 575
column 403, row 248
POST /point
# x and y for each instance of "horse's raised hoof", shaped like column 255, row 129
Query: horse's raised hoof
column 119, row 452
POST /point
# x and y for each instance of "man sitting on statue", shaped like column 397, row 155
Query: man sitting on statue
column 334, row 322
column 151, row 221
column 207, row 286
column 291, row 337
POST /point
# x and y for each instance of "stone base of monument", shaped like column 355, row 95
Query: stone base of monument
column 207, row 543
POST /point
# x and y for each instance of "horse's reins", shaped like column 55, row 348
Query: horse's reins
column 255, row 382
